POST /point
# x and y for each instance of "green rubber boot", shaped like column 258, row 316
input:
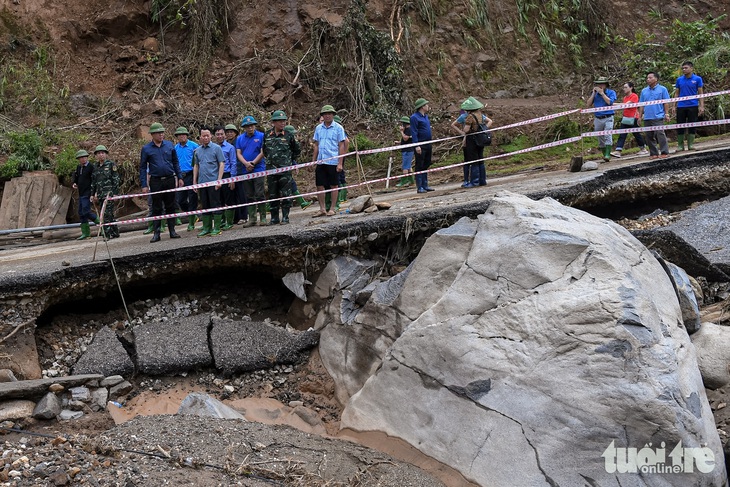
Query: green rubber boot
column 206, row 226
column 228, row 216
column 251, row 216
column 192, row 219
column 411, row 179
column 304, row 204
column 341, row 194
column 403, row 181
column 262, row 214
column 680, row 142
column 217, row 219
column 691, row 142
column 85, row 231
column 178, row 221
column 150, row 228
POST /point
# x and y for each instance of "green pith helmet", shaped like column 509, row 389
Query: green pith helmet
column 420, row 102
column 156, row 128
column 278, row 115
column 248, row 120
column 405, row 120
column 471, row 103
column 338, row 119
column 230, row 126
column 290, row 129
column 327, row 109
column 601, row 81
column 81, row 153
column 100, row 148
column 179, row 131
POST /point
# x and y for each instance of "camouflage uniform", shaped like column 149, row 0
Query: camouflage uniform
column 106, row 183
column 280, row 150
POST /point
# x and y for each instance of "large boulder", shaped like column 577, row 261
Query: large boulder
column 537, row 344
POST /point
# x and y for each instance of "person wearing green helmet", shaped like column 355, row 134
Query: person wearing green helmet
column 475, row 124
column 105, row 184
column 228, row 191
column 329, row 146
column 159, row 170
column 280, row 149
column 83, row 178
column 407, row 153
column 250, row 155
column 187, row 199
column 602, row 96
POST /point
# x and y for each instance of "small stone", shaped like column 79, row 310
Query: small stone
column 56, row 388
column 73, row 471
column 289, row 370
column 294, row 404
column 59, row 478
column 76, row 405
column 67, row 415
column 80, row 394
column 99, row 397
column 112, row 380
column 721, row 405
column 15, row 474
column 65, row 263
column 229, row 389
column 6, row 375
column 121, row 389
column 47, row 408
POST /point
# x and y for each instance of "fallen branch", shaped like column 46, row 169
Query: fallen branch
column 17, row 328
column 87, row 121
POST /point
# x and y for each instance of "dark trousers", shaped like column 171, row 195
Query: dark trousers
column 166, row 200
column 477, row 171
column 85, row 213
column 280, row 187
column 423, row 162
column 255, row 190
column 210, row 198
column 187, row 200
column 687, row 115
column 228, row 195
column 637, row 135
column 242, row 211
column 467, row 167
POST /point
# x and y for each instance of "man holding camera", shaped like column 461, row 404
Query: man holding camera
column 603, row 120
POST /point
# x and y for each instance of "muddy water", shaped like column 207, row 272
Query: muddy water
column 273, row 412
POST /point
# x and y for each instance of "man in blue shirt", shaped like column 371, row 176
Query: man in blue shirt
column 228, row 191
column 208, row 166
column 159, row 170
column 603, row 120
column 421, row 132
column 250, row 153
column 655, row 115
column 688, row 111
column 187, row 200
column 329, row 144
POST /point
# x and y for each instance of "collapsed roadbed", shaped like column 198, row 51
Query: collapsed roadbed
column 33, row 280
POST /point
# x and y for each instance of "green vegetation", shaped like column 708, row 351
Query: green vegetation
column 205, row 23
column 562, row 25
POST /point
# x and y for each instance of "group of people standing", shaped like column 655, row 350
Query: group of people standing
column 224, row 153
column 472, row 124
column 95, row 183
column 654, row 115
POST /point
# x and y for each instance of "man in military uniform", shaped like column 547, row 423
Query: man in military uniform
column 159, row 170
column 83, row 177
column 105, row 184
column 280, row 149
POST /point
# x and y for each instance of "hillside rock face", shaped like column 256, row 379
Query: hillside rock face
column 530, row 347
